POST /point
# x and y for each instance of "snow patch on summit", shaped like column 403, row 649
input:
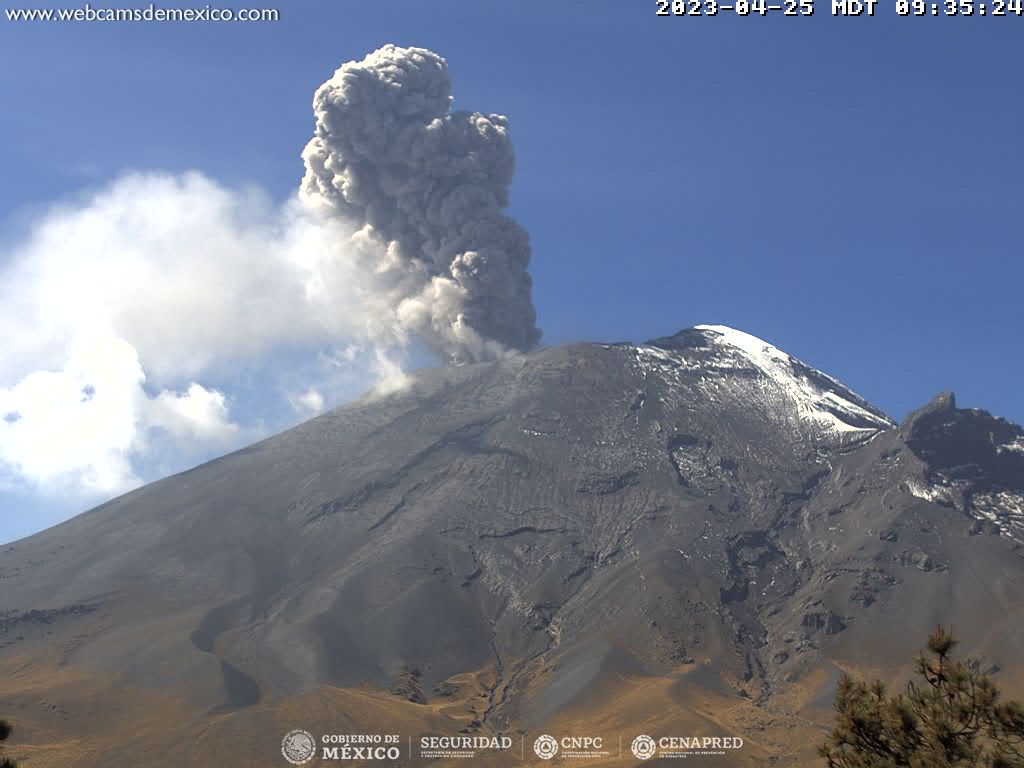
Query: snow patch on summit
column 819, row 398
column 729, row 368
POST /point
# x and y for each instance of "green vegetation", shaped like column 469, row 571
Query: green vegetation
column 953, row 718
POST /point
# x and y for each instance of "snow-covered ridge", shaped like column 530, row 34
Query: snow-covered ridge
column 820, row 397
column 1017, row 446
column 1003, row 508
column 819, row 400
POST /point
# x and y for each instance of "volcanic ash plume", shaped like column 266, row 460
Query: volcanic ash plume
column 135, row 315
column 429, row 185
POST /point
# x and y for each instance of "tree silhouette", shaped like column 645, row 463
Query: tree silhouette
column 953, row 719
column 5, row 731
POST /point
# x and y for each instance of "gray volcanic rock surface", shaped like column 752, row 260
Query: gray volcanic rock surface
column 702, row 502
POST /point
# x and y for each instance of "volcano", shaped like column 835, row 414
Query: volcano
column 694, row 535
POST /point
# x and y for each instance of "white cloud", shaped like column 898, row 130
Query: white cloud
column 77, row 426
column 199, row 414
column 193, row 275
column 128, row 312
column 308, row 402
column 82, row 427
column 390, row 376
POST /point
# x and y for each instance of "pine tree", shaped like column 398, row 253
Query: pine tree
column 952, row 718
column 5, row 731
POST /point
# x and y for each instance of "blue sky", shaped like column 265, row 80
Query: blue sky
column 849, row 189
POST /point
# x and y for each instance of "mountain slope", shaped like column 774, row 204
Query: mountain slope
column 558, row 540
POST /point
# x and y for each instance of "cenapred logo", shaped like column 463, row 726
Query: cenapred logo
column 546, row 747
column 298, row 746
column 643, row 747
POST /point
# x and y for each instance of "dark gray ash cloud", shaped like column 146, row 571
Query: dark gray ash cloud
column 431, row 186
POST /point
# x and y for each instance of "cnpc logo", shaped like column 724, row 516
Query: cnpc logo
column 546, row 747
